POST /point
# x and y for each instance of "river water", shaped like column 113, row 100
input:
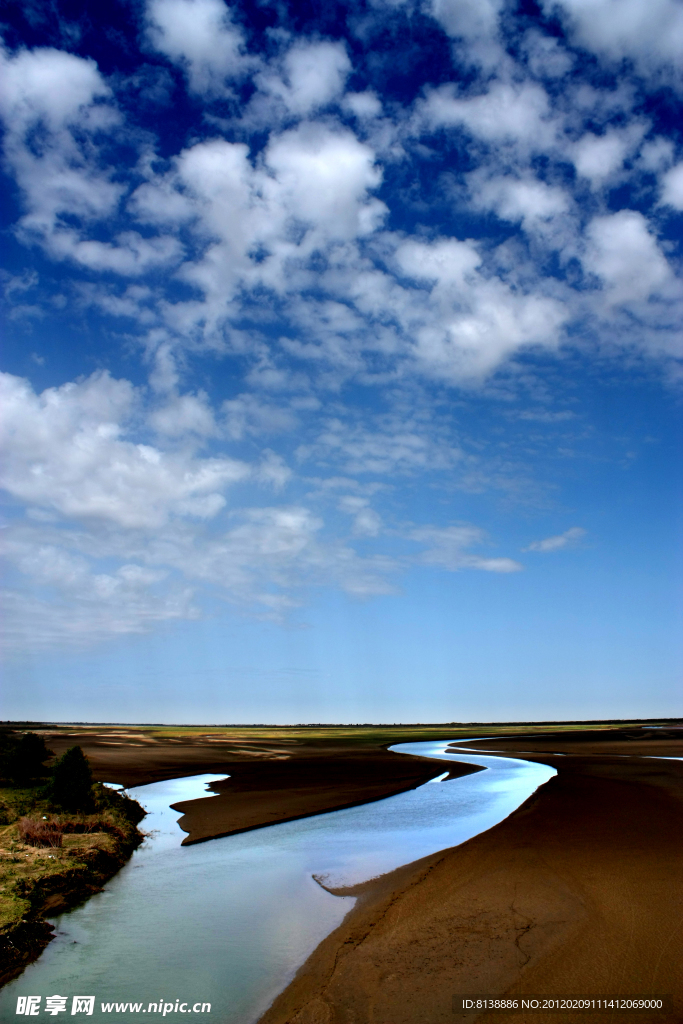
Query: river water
column 228, row 922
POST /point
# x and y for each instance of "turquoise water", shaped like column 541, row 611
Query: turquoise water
column 228, row 922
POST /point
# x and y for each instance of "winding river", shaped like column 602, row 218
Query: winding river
column 229, row 922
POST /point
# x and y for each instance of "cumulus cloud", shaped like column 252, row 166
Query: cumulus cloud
column 506, row 112
column 116, row 532
column 363, row 104
column 562, row 540
column 467, row 331
column 48, row 85
column 57, row 97
column 598, row 157
column 534, row 203
column 312, row 76
column 249, row 415
column 199, row 36
column 546, row 56
column 312, row 189
column 324, row 178
column 183, row 415
column 55, row 93
column 473, row 26
column 672, row 187
column 66, row 450
column 650, row 35
column 470, row 19
column 624, row 254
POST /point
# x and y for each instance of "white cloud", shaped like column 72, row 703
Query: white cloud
column 650, row 34
column 556, row 543
column 448, row 549
column 312, row 76
column 312, row 189
column 657, row 154
column 473, row 23
column 285, row 264
column 200, row 36
column 528, row 200
column 363, row 104
column 113, row 541
column 55, row 94
column 269, row 556
column 130, row 255
column 58, row 96
column 324, row 178
column 470, row 19
column 472, row 321
column 391, row 446
column 546, row 56
column 183, row 415
column 625, row 256
column 248, row 415
column 672, row 187
column 105, row 607
column 515, row 113
column 65, row 451
column 263, row 563
column 366, row 522
column 446, row 262
column 47, row 85
column 66, row 600
column 596, row 157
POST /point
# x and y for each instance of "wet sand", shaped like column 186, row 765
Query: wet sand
column 257, row 796
column 579, row 892
column 271, row 781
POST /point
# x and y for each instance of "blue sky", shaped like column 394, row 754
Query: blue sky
column 342, row 372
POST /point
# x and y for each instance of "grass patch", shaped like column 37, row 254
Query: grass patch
column 51, row 861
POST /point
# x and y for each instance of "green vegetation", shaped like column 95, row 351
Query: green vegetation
column 71, row 783
column 371, row 734
column 22, row 758
column 61, row 837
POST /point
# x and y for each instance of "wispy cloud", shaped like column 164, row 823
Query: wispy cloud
column 567, row 539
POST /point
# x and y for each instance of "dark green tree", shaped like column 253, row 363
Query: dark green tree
column 71, row 784
column 23, row 758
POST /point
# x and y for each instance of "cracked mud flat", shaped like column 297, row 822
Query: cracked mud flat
column 579, row 892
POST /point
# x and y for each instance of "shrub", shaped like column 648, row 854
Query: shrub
column 40, row 833
column 111, row 799
column 23, row 758
column 71, row 783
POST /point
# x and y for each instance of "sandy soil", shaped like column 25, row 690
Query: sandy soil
column 579, row 892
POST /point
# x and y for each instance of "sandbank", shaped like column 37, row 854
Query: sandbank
column 579, row 892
